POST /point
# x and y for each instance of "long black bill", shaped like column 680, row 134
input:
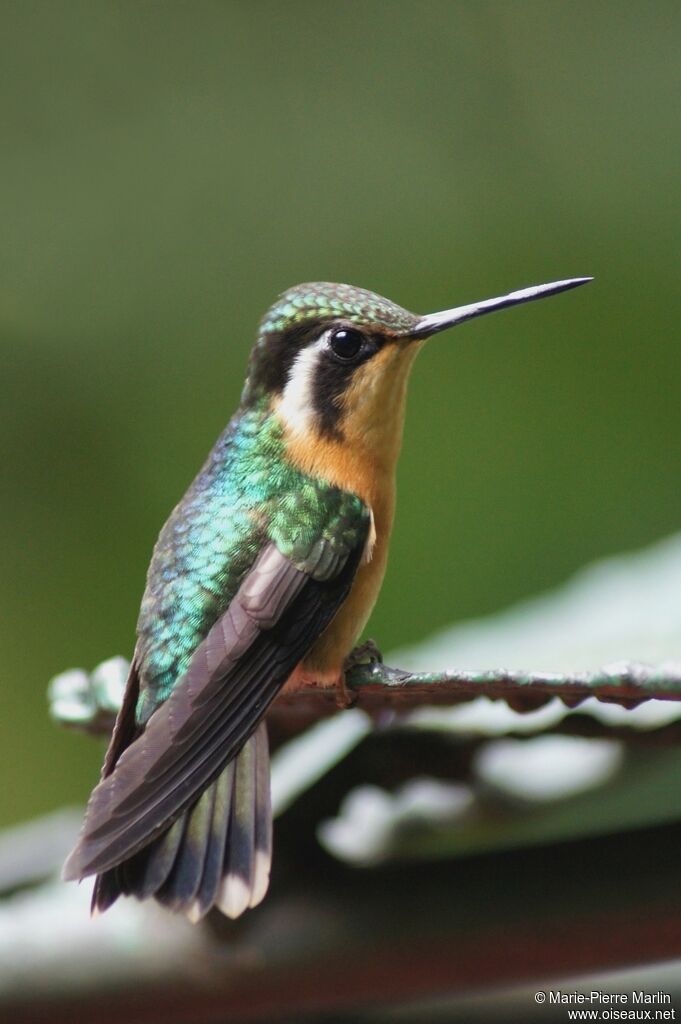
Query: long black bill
column 434, row 322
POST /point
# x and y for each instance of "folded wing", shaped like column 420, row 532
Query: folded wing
column 278, row 612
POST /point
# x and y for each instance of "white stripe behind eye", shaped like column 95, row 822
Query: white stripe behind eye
column 296, row 404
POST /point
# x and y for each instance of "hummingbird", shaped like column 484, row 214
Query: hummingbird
column 261, row 581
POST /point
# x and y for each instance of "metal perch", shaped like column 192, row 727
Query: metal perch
column 90, row 701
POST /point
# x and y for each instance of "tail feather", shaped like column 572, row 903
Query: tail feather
column 160, row 860
column 184, row 879
column 217, row 854
column 263, row 819
column 105, row 892
column 239, row 863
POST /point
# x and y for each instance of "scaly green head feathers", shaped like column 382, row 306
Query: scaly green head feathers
column 335, row 301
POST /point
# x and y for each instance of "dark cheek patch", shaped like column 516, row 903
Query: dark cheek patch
column 271, row 364
column 330, row 383
column 332, row 380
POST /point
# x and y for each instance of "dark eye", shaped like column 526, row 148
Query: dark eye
column 346, row 344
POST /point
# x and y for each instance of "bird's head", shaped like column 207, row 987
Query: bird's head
column 334, row 359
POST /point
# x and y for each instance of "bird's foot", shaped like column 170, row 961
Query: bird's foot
column 365, row 654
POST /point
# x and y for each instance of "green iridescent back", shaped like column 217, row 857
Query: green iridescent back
column 246, row 494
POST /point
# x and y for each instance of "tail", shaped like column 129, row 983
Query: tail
column 217, row 854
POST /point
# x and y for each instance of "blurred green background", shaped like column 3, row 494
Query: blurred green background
column 168, row 169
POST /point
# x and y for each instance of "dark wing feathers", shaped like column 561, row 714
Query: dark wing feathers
column 125, row 728
column 234, row 674
column 270, row 587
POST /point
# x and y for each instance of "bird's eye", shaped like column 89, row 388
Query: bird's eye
column 346, row 344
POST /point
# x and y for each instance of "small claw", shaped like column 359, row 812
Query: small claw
column 365, row 654
column 345, row 697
